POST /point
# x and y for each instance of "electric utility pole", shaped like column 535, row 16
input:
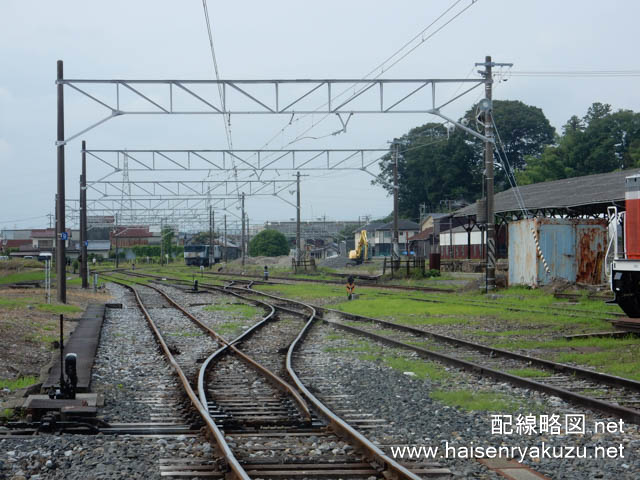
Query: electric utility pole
column 226, row 245
column 396, row 238
column 161, row 242
column 298, row 251
column 116, row 237
column 61, row 232
column 488, row 161
column 486, row 107
column 242, row 237
column 84, row 264
column 210, row 236
column 248, row 235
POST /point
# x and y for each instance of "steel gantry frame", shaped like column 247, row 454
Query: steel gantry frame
column 290, row 97
column 248, row 160
column 188, row 188
column 282, row 97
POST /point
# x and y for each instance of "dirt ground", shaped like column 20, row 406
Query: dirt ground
column 28, row 335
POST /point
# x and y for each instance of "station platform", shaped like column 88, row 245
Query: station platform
column 83, row 341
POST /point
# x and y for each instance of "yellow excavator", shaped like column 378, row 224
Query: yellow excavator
column 361, row 253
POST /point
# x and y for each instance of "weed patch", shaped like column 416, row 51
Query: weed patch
column 238, row 309
column 18, row 383
column 468, row 400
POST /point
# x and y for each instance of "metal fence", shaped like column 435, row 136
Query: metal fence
column 399, row 266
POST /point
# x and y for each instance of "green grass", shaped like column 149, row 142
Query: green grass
column 228, row 327
column 6, row 414
column 18, row 383
column 22, row 302
column 614, row 361
column 236, row 309
column 366, row 350
column 305, row 291
column 468, row 400
column 422, row 368
column 616, row 356
column 29, row 276
column 529, row 373
column 41, row 338
column 54, row 308
column 333, row 336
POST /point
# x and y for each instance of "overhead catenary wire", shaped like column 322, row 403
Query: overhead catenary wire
column 380, row 66
column 506, row 165
column 575, row 73
column 226, row 119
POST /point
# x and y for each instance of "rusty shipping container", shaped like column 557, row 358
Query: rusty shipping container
column 574, row 250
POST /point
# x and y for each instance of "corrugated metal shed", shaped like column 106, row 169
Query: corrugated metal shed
column 574, row 251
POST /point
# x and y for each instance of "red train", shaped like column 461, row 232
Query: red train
column 625, row 266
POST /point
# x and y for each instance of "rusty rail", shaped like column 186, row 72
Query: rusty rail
column 237, row 471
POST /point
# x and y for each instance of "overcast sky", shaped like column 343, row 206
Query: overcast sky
column 157, row 39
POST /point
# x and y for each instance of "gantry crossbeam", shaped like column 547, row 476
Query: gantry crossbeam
column 255, row 97
column 242, row 160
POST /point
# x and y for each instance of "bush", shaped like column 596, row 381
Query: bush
column 268, row 243
column 418, row 274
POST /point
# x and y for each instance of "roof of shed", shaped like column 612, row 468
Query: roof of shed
column 402, row 225
column 598, row 189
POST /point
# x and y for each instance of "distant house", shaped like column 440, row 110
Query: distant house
column 383, row 236
column 44, row 239
column 130, row 236
column 462, row 243
column 99, row 248
column 427, row 240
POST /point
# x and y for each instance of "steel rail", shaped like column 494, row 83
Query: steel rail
column 279, row 382
column 236, row 469
column 549, row 310
column 491, row 351
column 339, row 426
column 391, row 468
column 625, row 413
column 312, row 280
column 276, row 380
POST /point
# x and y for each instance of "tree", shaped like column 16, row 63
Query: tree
column 202, row 238
column 433, row 167
column 523, row 130
column 437, row 167
column 167, row 238
column 600, row 142
column 268, row 243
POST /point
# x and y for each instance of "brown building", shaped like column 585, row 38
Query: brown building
column 130, row 236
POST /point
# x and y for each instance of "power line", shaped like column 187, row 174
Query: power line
column 575, row 73
column 226, row 119
column 22, row 219
column 227, row 122
column 421, row 42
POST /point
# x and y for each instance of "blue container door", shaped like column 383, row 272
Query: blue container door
column 558, row 245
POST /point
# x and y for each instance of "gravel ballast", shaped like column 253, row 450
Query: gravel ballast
column 416, row 419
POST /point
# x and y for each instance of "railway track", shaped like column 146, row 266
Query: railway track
column 607, row 393
column 263, row 426
column 553, row 310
